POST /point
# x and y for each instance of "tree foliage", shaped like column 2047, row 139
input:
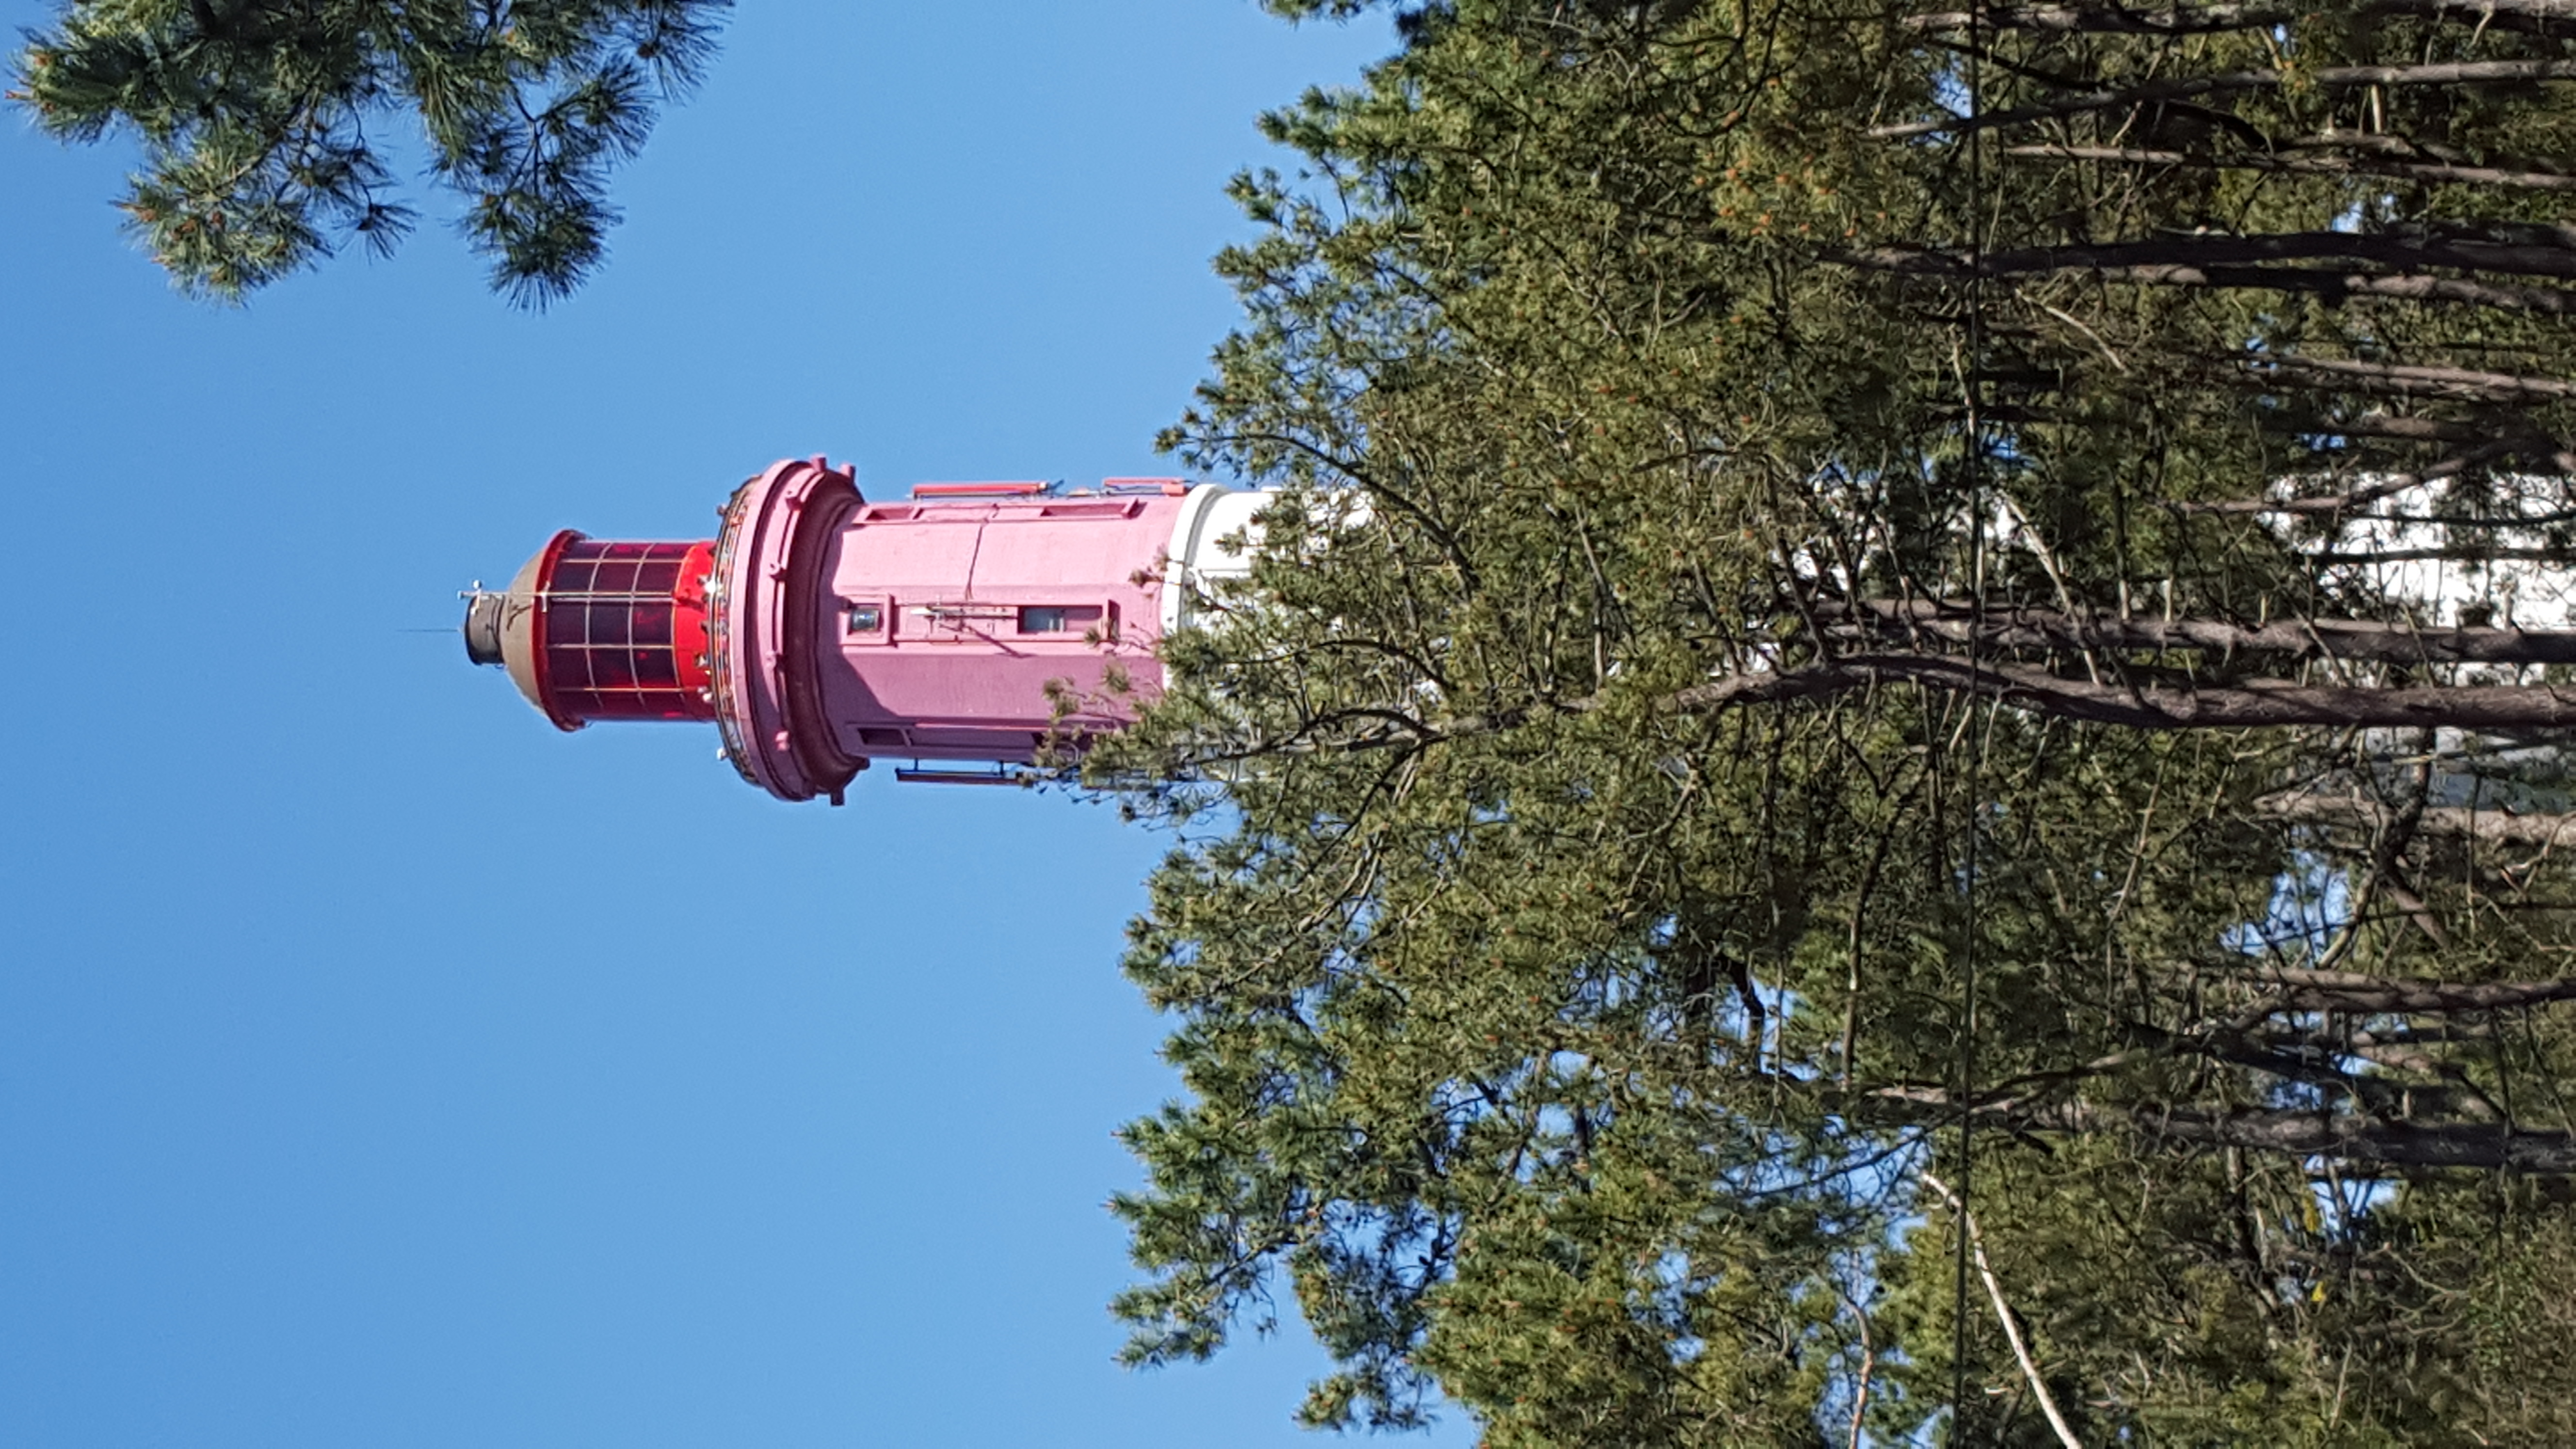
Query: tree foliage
column 255, row 121
column 1870, row 596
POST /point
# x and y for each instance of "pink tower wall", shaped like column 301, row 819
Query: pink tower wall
column 980, row 605
column 931, row 629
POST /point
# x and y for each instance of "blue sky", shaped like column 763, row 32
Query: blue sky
column 378, row 1066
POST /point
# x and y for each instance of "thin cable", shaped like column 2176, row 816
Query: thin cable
column 1973, row 385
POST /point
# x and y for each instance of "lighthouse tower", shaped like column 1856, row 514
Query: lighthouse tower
column 971, row 623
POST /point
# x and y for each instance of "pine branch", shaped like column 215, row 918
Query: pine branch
column 2371, row 488
column 2547, row 831
column 2479, row 1145
column 2108, row 19
column 253, row 119
column 2533, row 16
column 2350, row 991
column 2405, row 380
column 2430, row 173
column 2336, row 286
column 2365, row 639
column 2468, row 553
column 2246, row 704
column 2253, row 704
column 2412, row 429
column 2347, row 1137
column 2532, row 252
column 2475, row 72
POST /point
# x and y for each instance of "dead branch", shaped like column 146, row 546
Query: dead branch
column 2003, row 1311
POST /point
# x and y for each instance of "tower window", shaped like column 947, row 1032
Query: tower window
column 1058, row 618
column 866, row 618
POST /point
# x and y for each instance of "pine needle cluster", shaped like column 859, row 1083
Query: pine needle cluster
column 262, row 123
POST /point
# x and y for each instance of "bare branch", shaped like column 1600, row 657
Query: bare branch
column 2487, row 1146
column 2390, row 377
column 2003, row 1311
column 2355, row 992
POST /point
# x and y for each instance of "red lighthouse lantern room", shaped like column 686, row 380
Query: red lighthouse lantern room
column 592, row 630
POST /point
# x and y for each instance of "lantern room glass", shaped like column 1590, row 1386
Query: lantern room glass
column 625, row 631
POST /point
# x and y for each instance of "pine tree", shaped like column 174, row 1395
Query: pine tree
column 1853, row 613
column 262, row 124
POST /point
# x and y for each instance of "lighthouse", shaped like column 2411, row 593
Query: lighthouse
column 967, row 625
